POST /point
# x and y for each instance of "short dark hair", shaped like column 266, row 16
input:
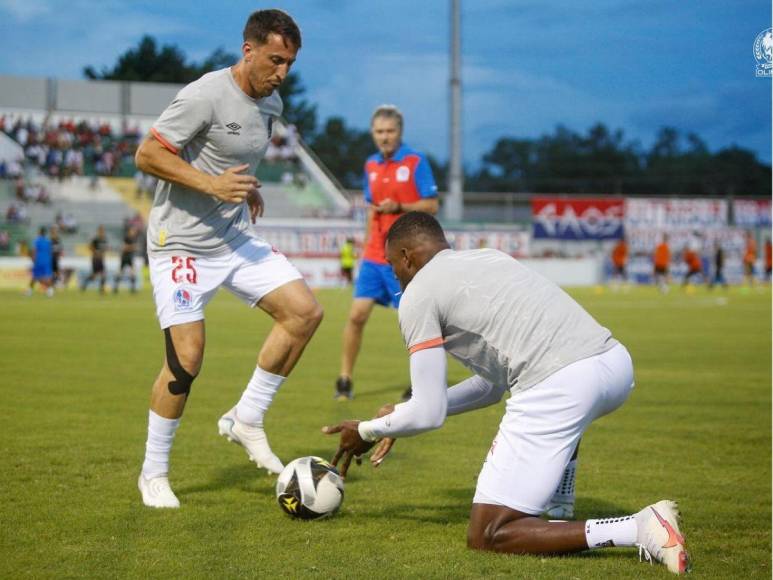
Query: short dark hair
column 42, row 231
column 414, row 224
column 261, row 23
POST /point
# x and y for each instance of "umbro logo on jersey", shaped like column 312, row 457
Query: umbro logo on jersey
column 234, row 128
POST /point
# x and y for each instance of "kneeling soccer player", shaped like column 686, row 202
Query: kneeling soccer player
column 517, row 331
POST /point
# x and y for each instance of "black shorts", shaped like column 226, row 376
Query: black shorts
column 619, row 271
column 659, row 270
column 97, row 265
column 748, row 268
column 127, row 261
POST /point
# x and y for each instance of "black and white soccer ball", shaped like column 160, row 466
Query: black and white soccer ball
column 309, row 488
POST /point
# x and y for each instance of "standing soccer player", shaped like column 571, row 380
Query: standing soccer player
column 519, row 332
column 126, row 269
column 98, row 247
column 42, row 260
column 661, row 261
column 397, row 179
column 205, row 149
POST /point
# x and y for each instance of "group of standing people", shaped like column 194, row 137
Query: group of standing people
column 515, row 330
column 712, row 272
column 46, row 254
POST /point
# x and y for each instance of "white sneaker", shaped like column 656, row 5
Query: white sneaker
column 658, row 536
column 157, row 493
column 252, row 438
column 560, row 510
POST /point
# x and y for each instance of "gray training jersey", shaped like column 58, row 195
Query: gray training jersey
column 501, row 320
column 213, row 125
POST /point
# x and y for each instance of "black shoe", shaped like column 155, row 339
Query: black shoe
column 407, row 394
column 343, row 389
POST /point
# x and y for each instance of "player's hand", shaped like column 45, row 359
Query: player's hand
column 255, row 201
column 388, row 206
column 233, row 184
column 384, row 445
column 350, row 445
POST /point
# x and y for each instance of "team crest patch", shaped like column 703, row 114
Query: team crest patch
column 403, row 174
column 183, row 299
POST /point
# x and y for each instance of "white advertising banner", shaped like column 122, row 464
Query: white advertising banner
column 669, row 214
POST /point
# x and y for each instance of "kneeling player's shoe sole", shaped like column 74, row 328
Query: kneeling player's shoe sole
column 252, row 438
column 157, row 493
column 560, row 511
column 659, row 537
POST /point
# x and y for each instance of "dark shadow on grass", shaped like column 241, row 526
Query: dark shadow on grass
column 452, row 512
column 593, row 507
column 458, row 510
column 245, row 477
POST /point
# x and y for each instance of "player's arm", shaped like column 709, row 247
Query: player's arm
column 427, row 205
column 158, row 159
column 471, row 394
column 425, row 411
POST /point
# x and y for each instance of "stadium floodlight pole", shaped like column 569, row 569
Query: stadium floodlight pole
column 454, row 202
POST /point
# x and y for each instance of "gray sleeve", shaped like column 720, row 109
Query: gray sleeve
column 420, row 322
column 473, row 393
column 186, row 116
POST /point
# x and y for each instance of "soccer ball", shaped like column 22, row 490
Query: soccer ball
column 309, row 488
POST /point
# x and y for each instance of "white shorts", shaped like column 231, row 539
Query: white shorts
column 183, row 285
column 543, row 425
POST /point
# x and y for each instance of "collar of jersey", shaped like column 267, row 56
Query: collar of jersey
column 399, row 155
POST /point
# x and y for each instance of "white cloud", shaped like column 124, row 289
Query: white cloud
column 25, row 10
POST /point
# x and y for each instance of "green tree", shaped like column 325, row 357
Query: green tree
column 343, row 150
column 148, row 62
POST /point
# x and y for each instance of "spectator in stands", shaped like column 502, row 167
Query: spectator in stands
column 5, row 241
column 41, row 264
column 397, row 179
column 661, row 260
column 98, row 248
column 16, row 213
column 749, row 258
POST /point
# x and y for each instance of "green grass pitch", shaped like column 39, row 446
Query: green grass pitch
column 76, row 375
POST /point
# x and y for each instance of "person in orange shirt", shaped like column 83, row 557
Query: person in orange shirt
column 768, row 260
column 694, row 265
column 749, row 258
column 619, row 262
column 662, row 260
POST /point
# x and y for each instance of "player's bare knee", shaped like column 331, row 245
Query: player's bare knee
column 306, row 320
column 358, row 318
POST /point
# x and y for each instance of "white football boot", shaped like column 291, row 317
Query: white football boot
column 561, row 505
column 157, row 493
column 658, row 536
column 252, row 438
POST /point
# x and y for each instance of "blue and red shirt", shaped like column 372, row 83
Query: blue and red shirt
column 406, row 177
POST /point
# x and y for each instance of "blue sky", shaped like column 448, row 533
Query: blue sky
column 528, row 64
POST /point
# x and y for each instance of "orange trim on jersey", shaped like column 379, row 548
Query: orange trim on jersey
column 431, row 343
column 164, row 142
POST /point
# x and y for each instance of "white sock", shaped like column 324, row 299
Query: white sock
column 565, row 491
column 160, row 437
column 611, row 532
column 257, row 397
